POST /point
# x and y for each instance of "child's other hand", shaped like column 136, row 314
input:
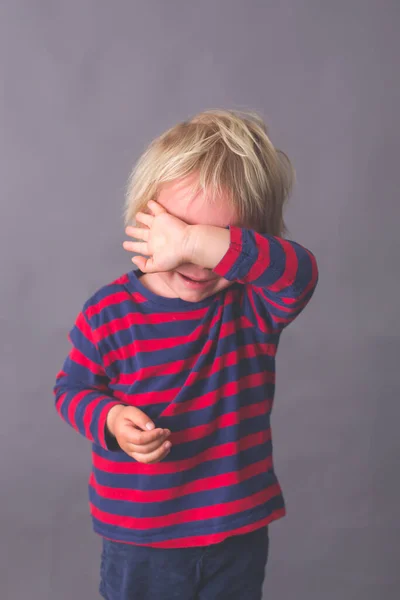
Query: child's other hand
column 128, row 425
column 163, row 238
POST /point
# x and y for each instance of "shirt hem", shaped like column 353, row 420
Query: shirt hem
column 196, row 538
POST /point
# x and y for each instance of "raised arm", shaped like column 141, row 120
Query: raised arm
column 281, row 275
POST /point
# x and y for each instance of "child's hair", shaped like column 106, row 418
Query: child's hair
column 232, row 153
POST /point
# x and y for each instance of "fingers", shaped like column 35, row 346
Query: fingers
column 145, row 265
column 141, row 247
column 141, row 233
column 139, row 424
column 135, row 437
column 144, row 218
column 149, row 452
column 140, row 262
column 138, row 233
column 156, row 208
column 153, row 457
column 152, row 446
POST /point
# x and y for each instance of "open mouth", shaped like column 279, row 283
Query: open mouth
column 194, row 283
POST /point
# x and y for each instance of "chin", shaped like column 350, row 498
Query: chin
column 194, row 297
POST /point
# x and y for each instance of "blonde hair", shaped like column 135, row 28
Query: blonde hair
column 232, row 153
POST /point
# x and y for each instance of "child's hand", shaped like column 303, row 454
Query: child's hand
column 164, row 240
column 128, row 425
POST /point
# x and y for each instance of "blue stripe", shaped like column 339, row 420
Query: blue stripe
column 193, row 528
column 212, row 468
column 213, row 497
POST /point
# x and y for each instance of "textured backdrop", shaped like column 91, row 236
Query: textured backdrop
column 86, row 84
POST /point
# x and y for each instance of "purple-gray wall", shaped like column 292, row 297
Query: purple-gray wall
column 86, row 84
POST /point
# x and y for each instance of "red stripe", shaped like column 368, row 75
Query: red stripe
column 314, row 275
column 73, row 403
column 236, row 236
column 84, row 327
column 170, row 368
column 121, row 280
column 292, row 311
column 60, row 375
column 197, row 432
column 289, row 274
column 102, row 423
column 288, row 309
column 262, row 324
column 283, row 299
column 88, row 416
column 152, row 345
column 231, row 358
column 112, row 299
column 214, row 538
column 263, row 260
column 194, row 514
column 146, row 319
column 230, row 388
column 146, row 398
column 208, row 399
column 60, row 402
column 79, row 358
column 232, row 254
column 286, row 320
column 200, row 485
column 201, row 330
column 115, row 325
column 131, row 467
column 299, row 298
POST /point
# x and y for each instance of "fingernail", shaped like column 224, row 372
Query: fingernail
column 167, row 445
column 150, row 425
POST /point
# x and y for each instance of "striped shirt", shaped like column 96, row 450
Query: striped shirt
column 204, row 370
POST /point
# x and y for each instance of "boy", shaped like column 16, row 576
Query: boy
column 172, row 371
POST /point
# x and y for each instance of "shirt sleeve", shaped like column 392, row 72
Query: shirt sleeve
column 280, row 276
column 82, row 394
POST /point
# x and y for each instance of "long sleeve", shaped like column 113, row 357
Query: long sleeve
column 82, row 395
column 281, row 276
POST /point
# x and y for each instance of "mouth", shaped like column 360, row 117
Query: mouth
column 193, row 283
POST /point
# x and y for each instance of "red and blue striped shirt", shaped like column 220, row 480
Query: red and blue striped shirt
column 204, row 370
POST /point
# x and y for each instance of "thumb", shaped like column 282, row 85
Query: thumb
column 139, row 418
column 146, row 265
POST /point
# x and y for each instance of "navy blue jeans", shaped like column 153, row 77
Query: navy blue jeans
column 233, row 570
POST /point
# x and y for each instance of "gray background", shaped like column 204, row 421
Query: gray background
column 86, row 84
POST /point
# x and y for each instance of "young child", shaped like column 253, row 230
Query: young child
column 171, row 375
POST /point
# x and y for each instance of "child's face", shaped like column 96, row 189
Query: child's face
column 175, row 198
